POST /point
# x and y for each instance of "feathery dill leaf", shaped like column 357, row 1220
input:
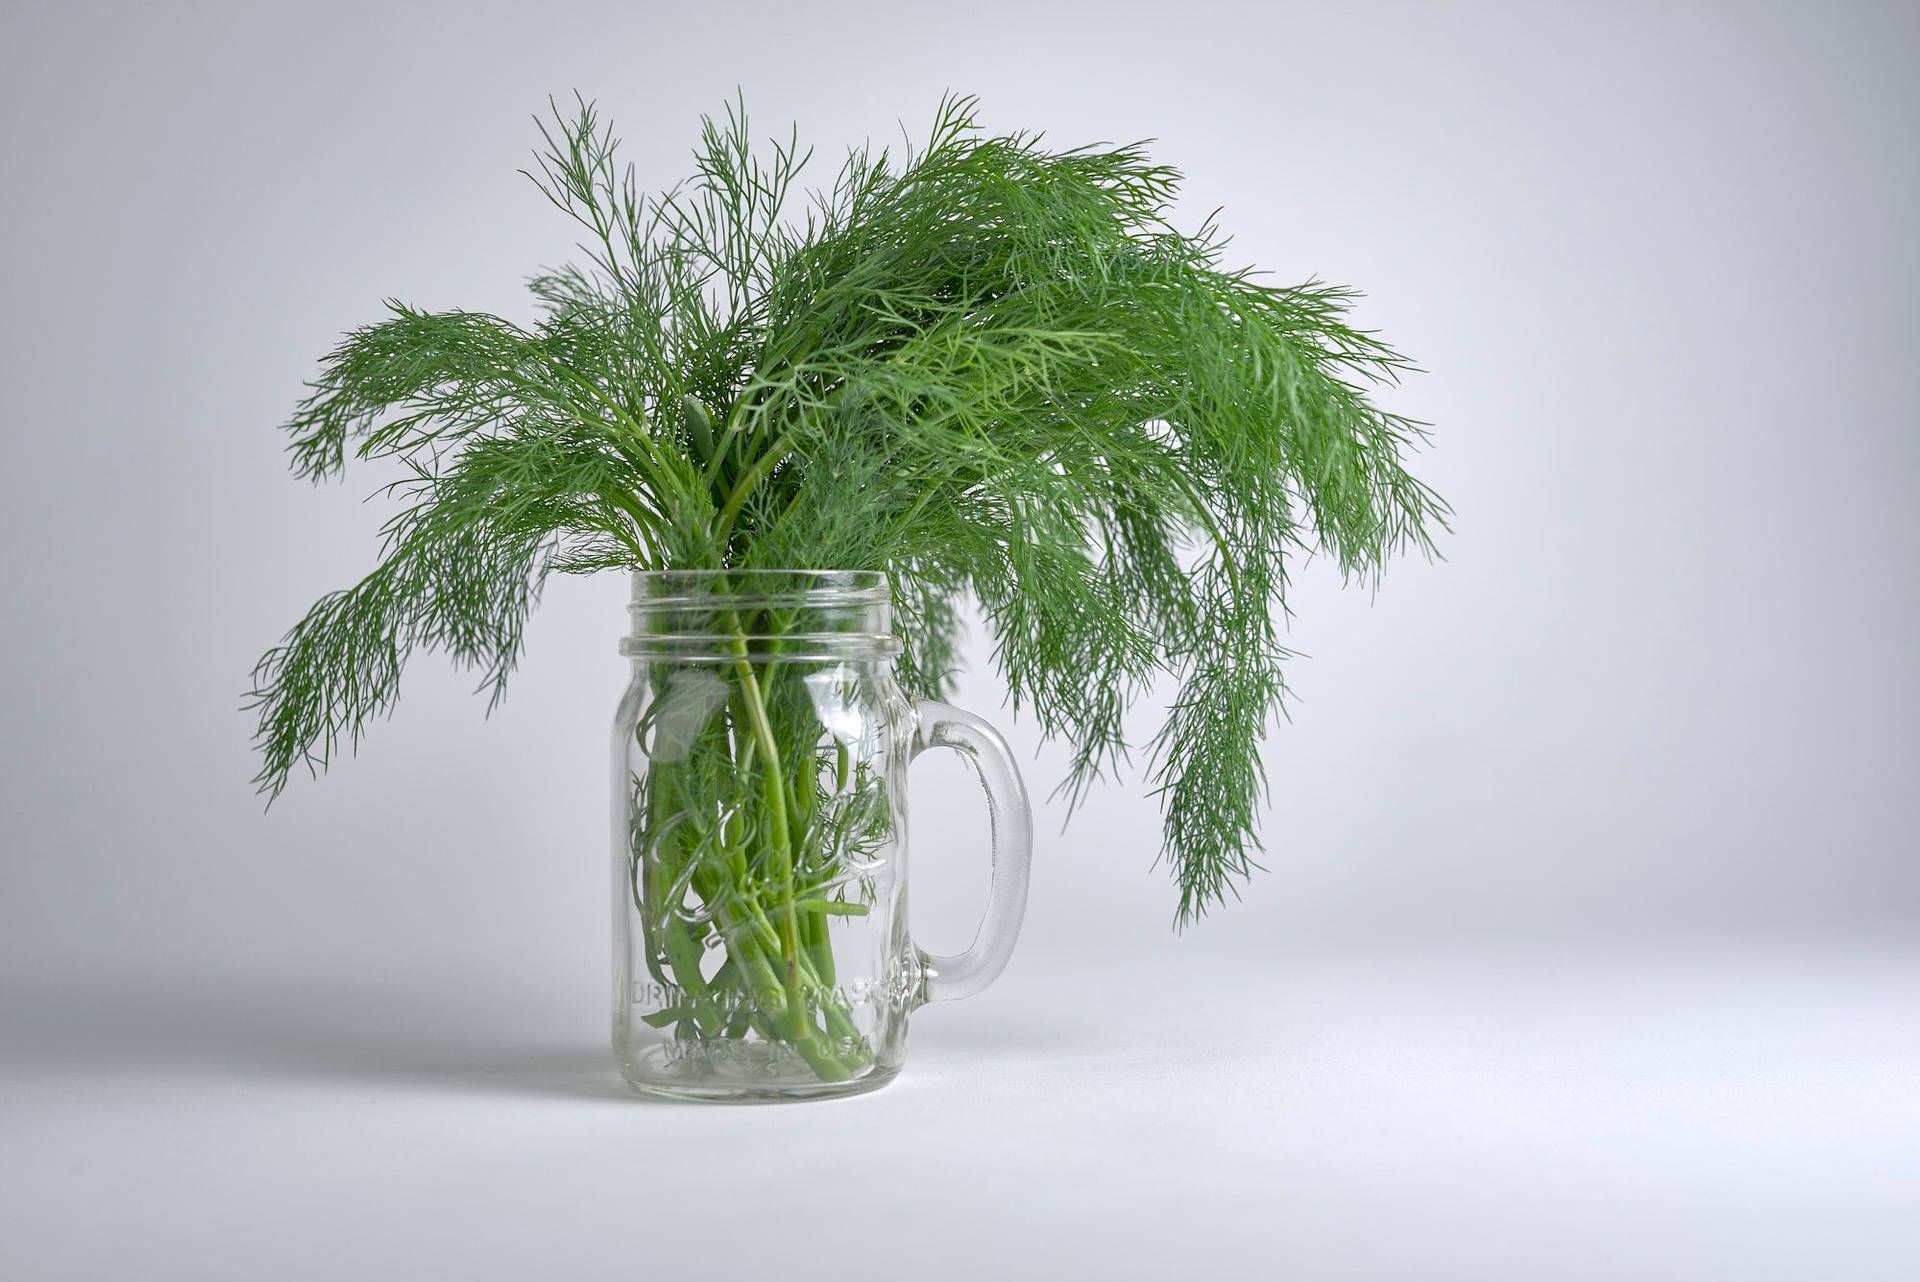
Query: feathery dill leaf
column 986, row 367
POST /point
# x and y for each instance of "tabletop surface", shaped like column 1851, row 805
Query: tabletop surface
column 1406, row 1116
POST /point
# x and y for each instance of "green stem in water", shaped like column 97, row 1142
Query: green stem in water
column 779, row 838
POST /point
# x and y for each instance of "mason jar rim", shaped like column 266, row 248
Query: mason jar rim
column 758, row 589
column 721, row 615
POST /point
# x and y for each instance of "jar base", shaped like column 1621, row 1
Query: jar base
column 746, row 1073
column 721, row 1092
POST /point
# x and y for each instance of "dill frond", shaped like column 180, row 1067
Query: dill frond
column 984, row 366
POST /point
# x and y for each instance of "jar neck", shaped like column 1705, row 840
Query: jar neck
column 694, row 616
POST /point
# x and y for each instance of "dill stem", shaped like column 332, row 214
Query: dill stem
column 778, row 836
column 748, row 483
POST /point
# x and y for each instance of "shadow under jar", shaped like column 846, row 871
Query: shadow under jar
column 760, row 855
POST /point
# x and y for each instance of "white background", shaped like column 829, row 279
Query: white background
column 1587, row 946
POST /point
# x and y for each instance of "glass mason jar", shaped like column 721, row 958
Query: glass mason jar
column 760, row 855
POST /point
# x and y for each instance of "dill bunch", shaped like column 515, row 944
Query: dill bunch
column 984, row 366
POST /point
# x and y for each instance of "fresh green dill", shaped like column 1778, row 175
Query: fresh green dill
column 987, row 367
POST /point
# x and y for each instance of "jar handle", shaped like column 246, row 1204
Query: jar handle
column 941, row 726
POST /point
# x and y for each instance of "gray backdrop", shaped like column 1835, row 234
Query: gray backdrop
column 1653, row 717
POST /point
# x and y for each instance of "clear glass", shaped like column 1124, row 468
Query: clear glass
column 760, row 855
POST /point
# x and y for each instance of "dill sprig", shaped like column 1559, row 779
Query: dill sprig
column 984, row 366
